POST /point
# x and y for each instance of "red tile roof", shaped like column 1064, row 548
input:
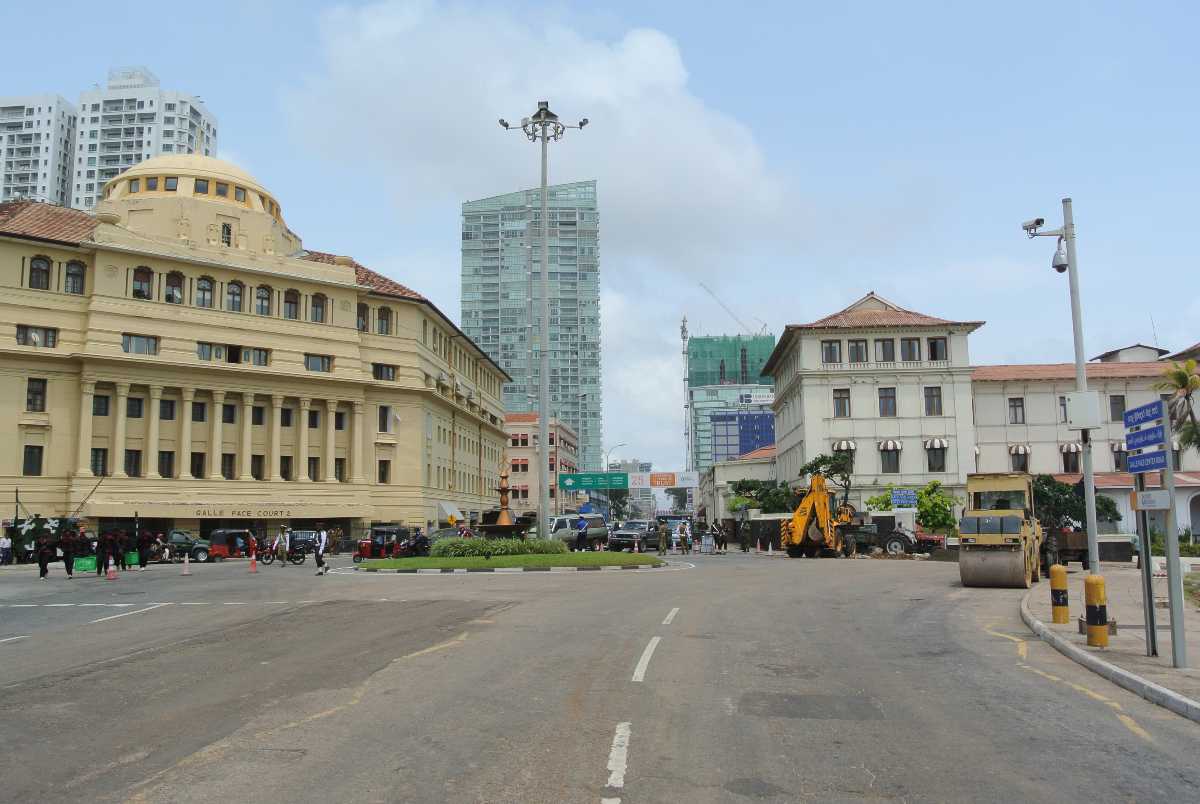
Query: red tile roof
column 520, row 418
column 1064, row 371
column 1124, row 480
column 892, row 316
column 762, row 452
column 366, row 278
column 1183, row 354
column 35, row 220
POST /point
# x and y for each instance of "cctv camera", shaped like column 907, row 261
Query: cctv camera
column 1060, row 262
column 503, row 123
column 1033, row 225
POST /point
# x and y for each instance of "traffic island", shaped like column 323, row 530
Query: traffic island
column 1124, row 662
column 540, row 562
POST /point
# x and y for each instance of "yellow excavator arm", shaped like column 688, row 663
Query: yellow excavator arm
column 814, row 507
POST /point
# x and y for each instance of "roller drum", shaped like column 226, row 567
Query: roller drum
column 993, row 568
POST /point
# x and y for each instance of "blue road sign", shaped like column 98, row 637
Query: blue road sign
column 1148, row 462
column 1150, row 437
column 904, row 498
column 1143, row 414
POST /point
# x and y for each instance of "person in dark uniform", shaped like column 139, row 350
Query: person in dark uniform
column 743, row 536
column 102, row 552
column 143, row 547
column 69, row 543
column 664, row 538
column 45, row 553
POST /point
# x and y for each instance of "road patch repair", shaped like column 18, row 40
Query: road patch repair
column 1124, row 662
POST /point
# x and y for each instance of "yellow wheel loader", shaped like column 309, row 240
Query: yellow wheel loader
column 817, row 526
column 1000, row 541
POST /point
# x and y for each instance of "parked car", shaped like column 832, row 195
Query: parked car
column 564, row 528
column 628, row 537
column 181, row 543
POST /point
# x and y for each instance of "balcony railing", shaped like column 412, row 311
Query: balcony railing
column 888, row 365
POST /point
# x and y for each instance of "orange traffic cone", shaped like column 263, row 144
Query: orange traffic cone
column 253, row 563
column 111, row 574
column 187, row 568
column 759, row 548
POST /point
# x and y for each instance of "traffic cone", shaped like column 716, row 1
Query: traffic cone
column 187, row 568
column 253, row 563
column 111, row 574
column 770, row 545
column 759, row 548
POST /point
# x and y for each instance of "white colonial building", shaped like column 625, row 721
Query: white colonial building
column 896, row 389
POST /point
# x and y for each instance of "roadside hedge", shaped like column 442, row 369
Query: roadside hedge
column 451, row 548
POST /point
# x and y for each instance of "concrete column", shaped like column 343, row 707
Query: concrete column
column 152, row 433
column 302, row 442
column 183, row 462
column 83, row 462
column 357, row 442
column 330, row 448
column 215, row 436
column 276, row 451
column 118, row 442
column 247, row 445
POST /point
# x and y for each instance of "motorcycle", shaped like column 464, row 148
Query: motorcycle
column 296, row 555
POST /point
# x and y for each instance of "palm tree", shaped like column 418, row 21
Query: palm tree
column 1183, row 382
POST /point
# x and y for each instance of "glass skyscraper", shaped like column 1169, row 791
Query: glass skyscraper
column 725, row 381
column 500, row 244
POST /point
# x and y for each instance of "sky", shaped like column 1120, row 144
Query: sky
column 791, row 156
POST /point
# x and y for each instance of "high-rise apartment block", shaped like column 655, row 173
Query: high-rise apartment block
column 132, row 119
column 727, row 396
column 501, row 275
column 37, row 135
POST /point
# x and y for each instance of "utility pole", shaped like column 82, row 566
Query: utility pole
column 687, row 401
column 543, row 127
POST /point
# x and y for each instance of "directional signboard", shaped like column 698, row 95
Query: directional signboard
column 1143, row 414
column 904, row 498
column 1147, row 462
column 584, row 481
column 1141, row 439
column 664, row 480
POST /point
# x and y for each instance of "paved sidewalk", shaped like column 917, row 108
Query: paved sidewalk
column 1127, row 648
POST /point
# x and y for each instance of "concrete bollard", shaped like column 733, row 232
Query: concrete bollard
column 1096, row 604
column 1058, row 594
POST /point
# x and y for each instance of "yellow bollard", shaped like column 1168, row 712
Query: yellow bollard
column 1096, row 602
column 1058, row 594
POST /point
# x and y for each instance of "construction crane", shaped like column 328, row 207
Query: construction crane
column 732, row 314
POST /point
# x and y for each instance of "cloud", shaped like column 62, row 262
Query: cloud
column 409, row 93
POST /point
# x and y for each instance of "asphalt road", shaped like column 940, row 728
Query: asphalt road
column 722, row 679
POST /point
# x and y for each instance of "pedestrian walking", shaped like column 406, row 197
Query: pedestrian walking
column 322, row 541
column 581, row 535
column 101, row 548
column 282, row 544
column 45, row 553
column 664, row 537
column 5, row 549
column 143, row 546
column 743, row 536
column 69, row 543
column 121, row 547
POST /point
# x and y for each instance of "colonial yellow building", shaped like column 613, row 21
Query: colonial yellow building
column 181, row 356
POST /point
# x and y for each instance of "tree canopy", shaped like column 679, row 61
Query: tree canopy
column 772, row 496
column 935, row 508
column 1059, row 506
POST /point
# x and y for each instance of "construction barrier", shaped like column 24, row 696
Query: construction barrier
column 1096, row 605
column 1058, row 594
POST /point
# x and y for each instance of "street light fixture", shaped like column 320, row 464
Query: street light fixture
column 543, row 127
column 1065, row 261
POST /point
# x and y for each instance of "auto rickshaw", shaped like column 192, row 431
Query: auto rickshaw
column 380, row 544
column 228, row 543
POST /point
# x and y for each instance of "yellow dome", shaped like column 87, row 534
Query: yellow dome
column 202, row 167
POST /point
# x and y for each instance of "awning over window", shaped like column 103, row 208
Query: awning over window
column 936, row 443
column 1072, row 446
column 1019, row 449
column 1118, row 446
column 448, row 512
column 890, row 445
column 845, row 446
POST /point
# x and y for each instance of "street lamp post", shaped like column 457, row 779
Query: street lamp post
column 1065, row 261
column 543, row 127
column 608, row 489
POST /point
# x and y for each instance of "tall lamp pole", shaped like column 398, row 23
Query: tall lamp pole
column 542, row 127
column 608, row 489
column 1064, row 261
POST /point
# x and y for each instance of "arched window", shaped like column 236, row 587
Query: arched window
column 262, row 300
column 291, row 304
column 39, row 273
column 233, row 297
column 384, row 321
column 143, row 282
column 317, row 314
column 174, row 291
column 75, row 272
column 363, row 322
column 204, row 292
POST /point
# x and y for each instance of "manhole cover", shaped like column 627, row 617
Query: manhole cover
column 809, row 707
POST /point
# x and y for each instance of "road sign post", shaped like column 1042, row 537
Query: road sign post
column 1150, row 426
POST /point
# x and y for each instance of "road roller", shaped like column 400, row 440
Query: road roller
column 1000, row 540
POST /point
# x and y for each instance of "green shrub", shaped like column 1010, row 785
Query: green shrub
column 454, row 547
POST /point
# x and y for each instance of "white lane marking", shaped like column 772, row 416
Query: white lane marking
column 127, row 613
column 197, row 603
column 617, row 757
column 671, row 616
column 610, row 801
column 13, row 639
column 639, row 672
column 58, row 605
column 24, row 605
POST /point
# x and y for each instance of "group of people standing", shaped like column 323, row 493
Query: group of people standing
column 111, row 547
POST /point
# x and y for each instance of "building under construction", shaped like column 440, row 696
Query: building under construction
column 728, row 359
column 724, row 383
